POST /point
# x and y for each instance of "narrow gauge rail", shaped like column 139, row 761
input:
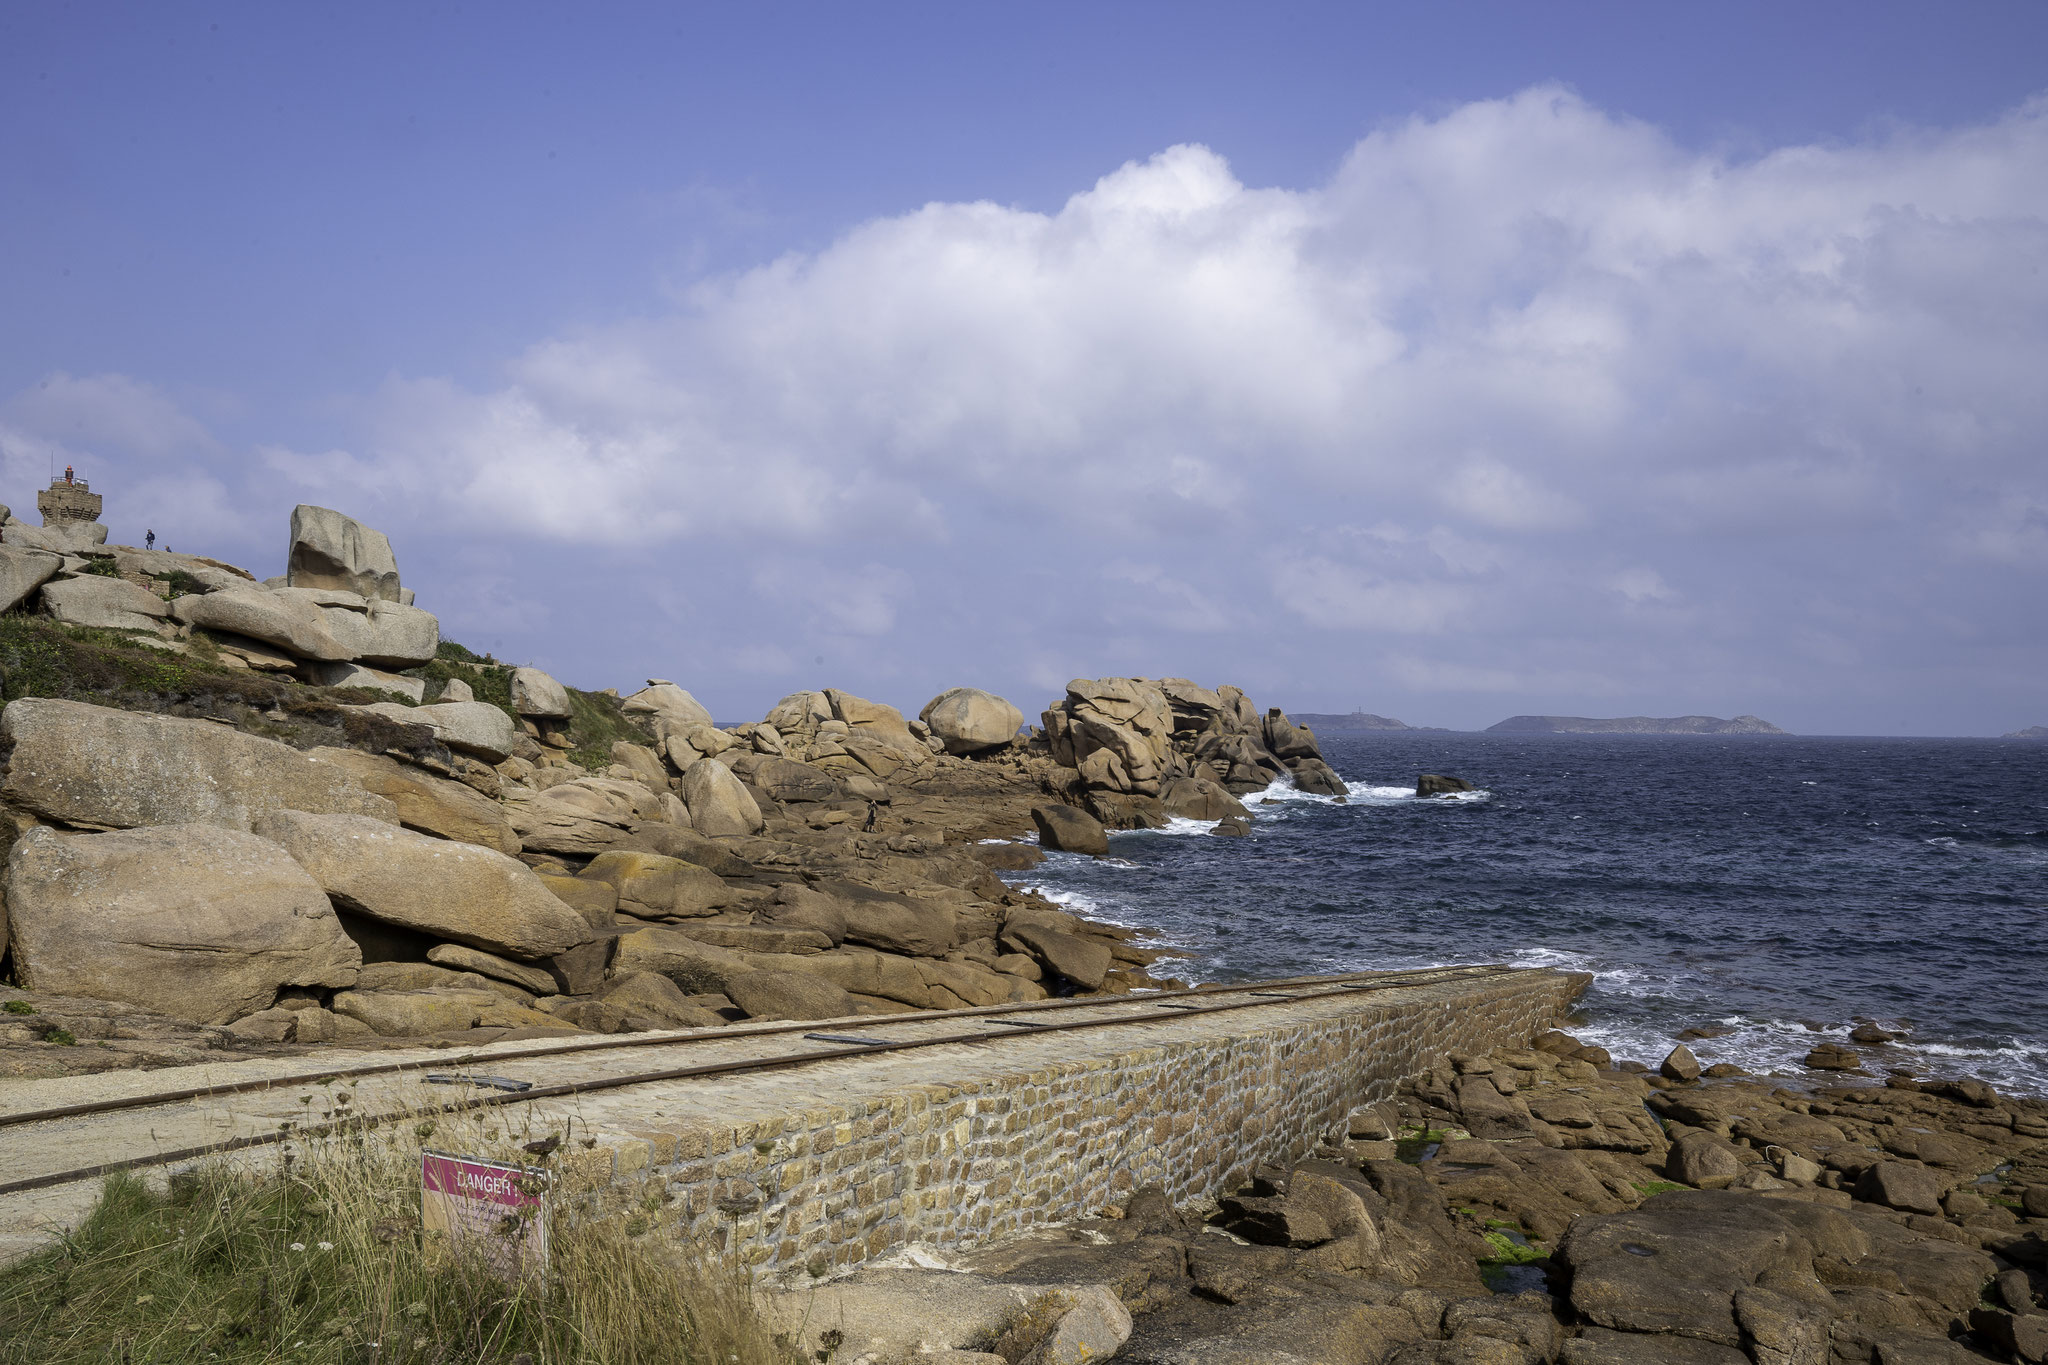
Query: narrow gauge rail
column 1257, row 993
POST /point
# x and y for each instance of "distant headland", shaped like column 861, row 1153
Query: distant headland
column 1634, row 725
column 2031, row 732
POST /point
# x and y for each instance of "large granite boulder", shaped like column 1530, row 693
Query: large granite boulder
column 22, row 572
column 458, row 892
column 383, row 634
column 198, row 922
column 877, row 724
column 800, row 713
column 1199, row 798
column 699, row 968
column 1069, row 830
column 583, row 816
column 537, row 696
column 650, row 886
column 329, row 550
column 891, row 922
column 98, row 768
column 430, row 804
column 788, row 995
column 67, row 538
column 293, row 624
column 668, row 708
column 787, row 780
column 358, row 675
column 474, row 727
column 107, row 603
column 719, row 804
column 968, row 720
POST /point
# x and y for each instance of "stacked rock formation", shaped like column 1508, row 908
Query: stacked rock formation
column 488, row 853
column 1146, row 749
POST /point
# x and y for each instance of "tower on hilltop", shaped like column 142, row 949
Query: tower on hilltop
column 68, row 500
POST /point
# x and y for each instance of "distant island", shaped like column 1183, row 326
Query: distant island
column 1633, row 725
column 1323, row 722
column 2031, row 732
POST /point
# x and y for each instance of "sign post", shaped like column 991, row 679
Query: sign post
column 487, row 1209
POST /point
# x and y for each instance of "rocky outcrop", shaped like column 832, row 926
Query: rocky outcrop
column 201, row 923
column 968, row 720
column 1131, row 740
column 1070, row 831
column 93, row 767
column 458, row 892
column 291, row 622
column 329, row 550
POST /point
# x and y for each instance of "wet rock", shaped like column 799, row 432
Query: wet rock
column 1870, row 1034
column 1680, row 1065
column 1232, row 827
column 1069, row 830
column 1436, row 784
column 1833, row 1057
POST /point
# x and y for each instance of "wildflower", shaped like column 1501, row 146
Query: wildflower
column 298, row 1246
column 327, row 1246
column 144, row 1298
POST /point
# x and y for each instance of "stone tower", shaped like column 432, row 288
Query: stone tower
column 66, row 501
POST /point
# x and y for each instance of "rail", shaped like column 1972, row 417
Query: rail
column 1259, row 994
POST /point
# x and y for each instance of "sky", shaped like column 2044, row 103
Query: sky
column 1448, row 362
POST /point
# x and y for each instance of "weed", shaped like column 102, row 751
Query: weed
column 62, row 1037
column 324, row 1260
column 101, row 568
column 1650, row 1189
column 18, row 1007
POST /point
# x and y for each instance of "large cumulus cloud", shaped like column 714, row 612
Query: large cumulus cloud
column 1527, row 407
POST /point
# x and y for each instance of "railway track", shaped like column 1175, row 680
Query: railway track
column 866, row 1036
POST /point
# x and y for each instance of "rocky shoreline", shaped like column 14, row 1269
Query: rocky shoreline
column 246, row 816
column 1535, row 1206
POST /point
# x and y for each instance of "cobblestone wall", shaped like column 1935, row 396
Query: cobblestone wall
column 993, row 1146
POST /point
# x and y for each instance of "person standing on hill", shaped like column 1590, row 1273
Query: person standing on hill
column 149, row 540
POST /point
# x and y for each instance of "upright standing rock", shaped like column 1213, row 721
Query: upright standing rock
column 330, row 550
column 718, row 803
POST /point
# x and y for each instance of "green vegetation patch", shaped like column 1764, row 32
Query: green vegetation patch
column 597, row 721
column 1650, row 1189
column 306, row 1266
column 42, row 658
column 101, row 568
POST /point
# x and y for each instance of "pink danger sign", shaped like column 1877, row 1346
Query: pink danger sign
column 488, row 1208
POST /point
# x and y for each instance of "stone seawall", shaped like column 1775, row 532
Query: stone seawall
column 819, row 1169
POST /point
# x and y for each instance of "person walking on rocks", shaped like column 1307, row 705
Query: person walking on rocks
column 149, row 540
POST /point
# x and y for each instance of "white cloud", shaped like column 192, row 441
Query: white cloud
column 1555, row 360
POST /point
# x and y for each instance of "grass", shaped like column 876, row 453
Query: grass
column 43, row 658
column 322, row 1259
column 1650, row 1189
column 596, row 721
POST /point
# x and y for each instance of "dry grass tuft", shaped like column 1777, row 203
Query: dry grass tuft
column 320, row 1258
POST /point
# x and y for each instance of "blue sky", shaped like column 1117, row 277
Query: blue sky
column 1451, row 361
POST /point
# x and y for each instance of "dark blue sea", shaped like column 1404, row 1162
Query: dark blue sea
column 1779, row 887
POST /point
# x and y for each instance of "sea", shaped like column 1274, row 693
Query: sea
column 1775, row 889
